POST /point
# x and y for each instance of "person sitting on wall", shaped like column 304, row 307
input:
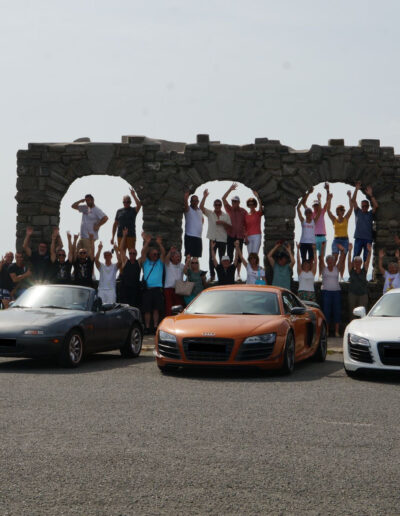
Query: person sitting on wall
column 6, row 284
column 238, row 222
column 255, row 273
column 129, row 278
column 391, row 275
column 20, row 275
column 358, row 284
column 225, row 269
column 253, row 225
column 193, row 226
column 108, row 274
column 306, row 270
column 153, row 268
column 40, row 259
column 307, row 239
column 282, row 265
column 218, row 225
column 173, row 272
column 92, row 219
column 340, row 224
column 364, row 217
column 83, row 264
column 126, row 218
column 62, row 267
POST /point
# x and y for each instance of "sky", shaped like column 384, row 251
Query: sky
column 301, row 72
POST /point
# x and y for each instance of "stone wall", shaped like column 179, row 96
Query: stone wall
column 161, row 171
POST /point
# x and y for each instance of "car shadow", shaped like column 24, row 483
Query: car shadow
column 90, row 364
column 372, row 376
column 306, row 371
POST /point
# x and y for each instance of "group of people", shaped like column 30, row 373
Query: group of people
column 154, row 280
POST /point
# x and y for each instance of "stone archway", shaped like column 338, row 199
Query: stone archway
column 160, row 172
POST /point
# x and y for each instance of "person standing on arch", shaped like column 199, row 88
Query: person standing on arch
column 238, row 221
column 92, row 218
column 363, row 233
column 126, row 218
column 218, row 225
column 193, row 226
column 253, row 224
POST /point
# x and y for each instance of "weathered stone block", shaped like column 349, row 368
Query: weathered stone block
column 336, row 142
column 40, row 220
column 203, row 138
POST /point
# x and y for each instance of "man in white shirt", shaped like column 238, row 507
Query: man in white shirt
column 193, row 227
column 218, row 225
column 92, row 218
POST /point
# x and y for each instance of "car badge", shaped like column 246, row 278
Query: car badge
column 209, row 334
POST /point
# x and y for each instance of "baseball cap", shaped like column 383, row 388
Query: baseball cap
column 225, row 257
column 236, row 198
column 315, row 201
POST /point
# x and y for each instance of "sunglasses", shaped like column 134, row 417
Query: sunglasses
column 126, row 202
column 133, row 252
column 82, row 252
column 194, row 263
column 61, row 254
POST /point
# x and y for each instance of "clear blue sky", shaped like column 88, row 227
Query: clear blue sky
column 301, row 72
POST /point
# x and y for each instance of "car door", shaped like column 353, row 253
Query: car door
column 118, row 327
column 298, row 321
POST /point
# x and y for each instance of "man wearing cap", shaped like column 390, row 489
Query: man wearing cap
column 92, row 218
column 225, row 269
column 363, row 233
column 218, row 225
column 238, row 223
column 193, row 226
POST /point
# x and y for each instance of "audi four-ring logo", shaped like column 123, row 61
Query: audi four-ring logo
column 208, row 334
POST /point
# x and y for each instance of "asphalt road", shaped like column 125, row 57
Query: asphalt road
column 115, row 437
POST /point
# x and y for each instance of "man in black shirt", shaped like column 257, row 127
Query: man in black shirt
column 61, row 266
column 126, row 218
column 6, row 284
column 225, row 270
column 40, row 259
column 83, row 265
column 20, row 275
column 129, row 286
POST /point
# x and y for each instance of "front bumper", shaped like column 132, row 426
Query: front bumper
column 364, row 357
column 30, row 346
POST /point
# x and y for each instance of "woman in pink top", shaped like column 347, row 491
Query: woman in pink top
column 253, row 224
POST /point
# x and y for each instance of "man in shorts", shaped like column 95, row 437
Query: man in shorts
column 126, row 218
column 193, row 226
column 92, row 219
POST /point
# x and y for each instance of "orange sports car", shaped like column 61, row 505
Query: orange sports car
column 242, row 325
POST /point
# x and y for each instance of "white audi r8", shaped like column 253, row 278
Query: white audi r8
column 373, row 341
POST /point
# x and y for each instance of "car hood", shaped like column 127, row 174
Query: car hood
column 226, row 326
column 376, row 328
column 15, row 319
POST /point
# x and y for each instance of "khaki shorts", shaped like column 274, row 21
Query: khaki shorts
column 129, row 244
column 84, row 243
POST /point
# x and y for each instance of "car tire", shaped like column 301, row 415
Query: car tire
column 289, row 355
column 322, row 349
column 133, row 344
column 168, row 369
column 72, row 350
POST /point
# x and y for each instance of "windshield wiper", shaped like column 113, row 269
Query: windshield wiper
column 20, row 306
column 54, row 306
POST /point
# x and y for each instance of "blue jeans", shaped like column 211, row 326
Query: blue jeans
column 344, row 241
column 332, row 305
column 359, row 245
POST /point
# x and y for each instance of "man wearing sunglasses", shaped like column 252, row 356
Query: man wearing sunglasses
column 83, row 265
column 40, row 259
column 219, row 223
column 129, row 278
column 126, row 218
column 61, row 265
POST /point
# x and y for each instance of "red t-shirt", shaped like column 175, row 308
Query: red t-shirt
column 238, row 222
column 253, row 223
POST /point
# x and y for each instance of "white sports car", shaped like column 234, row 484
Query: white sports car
column 373, row 341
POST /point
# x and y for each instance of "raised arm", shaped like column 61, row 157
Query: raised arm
column 186, row 201
column 147, row 239
column 136, row 199
column 289, row 250
column 374, row 202
column 326, row 186
column 298, row 208
column 349, row 260
column 298, row 259
column 118, row 255
column 74, row 247
column 381, row 254
column 213, row 257
column 353, row 200
column 97, row 257
column 162, row 248
column 71, row 247
column 76, row 204
column 271, row 254
column 350, row 210
column 54, row 235
column 187, row 264
column 368, row 259
column 328, row 208
column 203, row 201
column 227, row 206
column 303, row 200
column 26, row 245
column 238, row 254
column 260, row 204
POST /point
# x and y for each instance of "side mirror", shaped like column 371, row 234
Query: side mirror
column 360, row 311
column 107, row 307
column 298, row 310
column 177, row 309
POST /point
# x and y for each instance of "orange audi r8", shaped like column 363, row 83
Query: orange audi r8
column 242, row 325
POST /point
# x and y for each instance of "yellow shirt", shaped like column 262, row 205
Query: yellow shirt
column 341, row 228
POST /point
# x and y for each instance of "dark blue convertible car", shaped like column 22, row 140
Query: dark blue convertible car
column 67, row 322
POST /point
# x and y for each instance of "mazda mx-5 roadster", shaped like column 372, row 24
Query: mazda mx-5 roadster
column 242, row 325
column 68, row 322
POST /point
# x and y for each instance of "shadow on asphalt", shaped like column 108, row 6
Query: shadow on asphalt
column 91, row 364
column 384, row 377
column 306, row 371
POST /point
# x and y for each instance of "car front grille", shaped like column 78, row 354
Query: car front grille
column 207, row 348
column 8, row 343
column 360, row 353
column 389, row 353
column 255, row 351
column 168, row 349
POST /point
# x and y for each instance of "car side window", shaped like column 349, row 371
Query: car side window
column 287, row 305
column 293, row 300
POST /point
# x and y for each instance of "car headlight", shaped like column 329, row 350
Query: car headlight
column 33, row 332
column 166, row 337
column 356, row 339
column 265, row 338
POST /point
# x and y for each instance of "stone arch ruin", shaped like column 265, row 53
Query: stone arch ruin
column 160, row 171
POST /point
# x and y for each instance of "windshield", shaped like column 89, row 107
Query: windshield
column 235, row 302
column 46, row 296
column 387, row 306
